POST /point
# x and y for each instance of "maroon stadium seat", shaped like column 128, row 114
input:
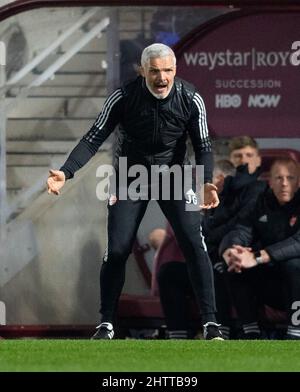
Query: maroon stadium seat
column 140, row 311
column 144, row 311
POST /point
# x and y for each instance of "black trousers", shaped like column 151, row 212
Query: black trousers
column 175, row 293
column 276, row 285
column 124, row 218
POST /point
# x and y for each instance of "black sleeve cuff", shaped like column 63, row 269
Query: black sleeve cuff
column 205, row 158
column 67, row 173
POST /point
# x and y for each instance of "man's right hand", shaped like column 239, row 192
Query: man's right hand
column 56, row 181
column 234, row 257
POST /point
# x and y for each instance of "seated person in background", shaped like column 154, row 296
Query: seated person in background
column 263, row 251
column 244, row 150
column 168, row 251
column 156, row 237
column 237, row 194
column 171, row 282
column 238, row 191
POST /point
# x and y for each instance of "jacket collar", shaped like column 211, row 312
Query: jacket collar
column 241, row 178
column 292, row 206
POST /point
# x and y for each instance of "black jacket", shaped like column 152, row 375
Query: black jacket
column 239, row 194
column 273, row 227
column 151, row 131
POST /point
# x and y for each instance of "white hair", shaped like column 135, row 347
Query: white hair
column 155, row 51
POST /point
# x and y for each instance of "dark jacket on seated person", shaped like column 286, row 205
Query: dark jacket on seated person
column 274, row 227
column 238, row 196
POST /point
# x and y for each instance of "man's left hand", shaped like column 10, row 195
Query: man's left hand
column 211, row 199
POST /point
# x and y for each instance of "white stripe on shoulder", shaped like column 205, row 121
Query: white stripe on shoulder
column 200, row 117
column 202, row 114
column 108, row 104
column 104, row 115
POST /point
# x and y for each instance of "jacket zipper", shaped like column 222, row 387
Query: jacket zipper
column 154, row 139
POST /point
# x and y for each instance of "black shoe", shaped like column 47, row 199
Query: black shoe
column 291, row 337
column 104, row 331
column 251, row 336
column 211, row 331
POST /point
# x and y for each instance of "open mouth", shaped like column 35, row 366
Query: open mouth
column 160, row 87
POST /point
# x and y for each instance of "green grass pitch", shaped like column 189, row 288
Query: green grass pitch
column 148, row 356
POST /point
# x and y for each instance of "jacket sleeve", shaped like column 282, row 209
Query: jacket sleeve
column 198, row 131
column 104, row 125
column 242, row 233
column 286, row 249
